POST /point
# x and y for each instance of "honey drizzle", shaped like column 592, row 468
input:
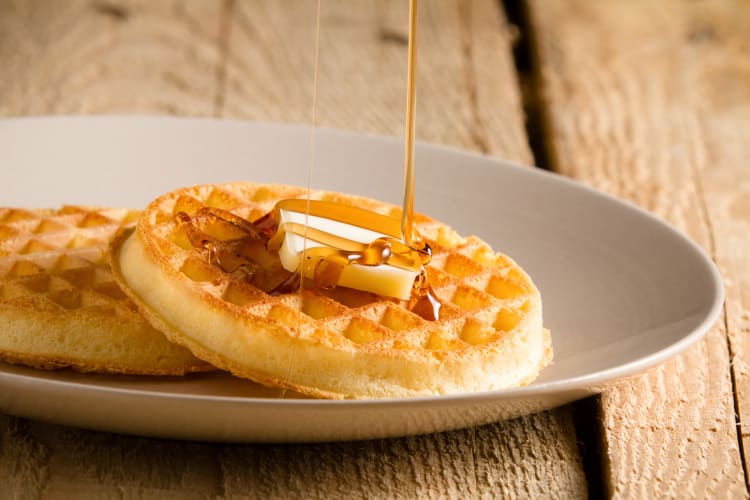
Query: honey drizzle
column 407, row 213
column 314, row 118
column 236, row 249
column 408, row 252
column 399, row 254
column 424, row 301
column 399, row 248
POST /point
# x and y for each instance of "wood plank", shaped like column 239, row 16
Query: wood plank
column 650, row 101
column 467, row 97
column 83, row 56
column 85, row 464
column 22, row 459
column 255, row 61
column 467, row 88
column 524, row 458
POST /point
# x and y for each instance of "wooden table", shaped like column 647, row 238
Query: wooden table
column 649, row 101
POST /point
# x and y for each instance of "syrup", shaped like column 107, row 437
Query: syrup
column 236, row 245
column 407, row 213
column 390, row 249
column 400, row 247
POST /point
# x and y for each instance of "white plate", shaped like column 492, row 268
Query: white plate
column 622, row 291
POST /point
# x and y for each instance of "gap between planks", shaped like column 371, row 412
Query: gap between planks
column 682, row 63
column 587, row 415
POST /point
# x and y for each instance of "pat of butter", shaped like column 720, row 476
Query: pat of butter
column 384, row 279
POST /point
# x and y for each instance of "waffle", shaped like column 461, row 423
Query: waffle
column 336, row 343
column 60, row 307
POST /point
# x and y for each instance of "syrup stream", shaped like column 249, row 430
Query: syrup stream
column 407, row 214
column 397, row 248
column 314, row 119
column 295, row 280
column 424, row 302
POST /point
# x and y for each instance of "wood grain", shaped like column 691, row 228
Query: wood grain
column 530, row 457
column 650, row 101
column 467, row 88
column 253, row 59
column 100, row 56
column 467, row 97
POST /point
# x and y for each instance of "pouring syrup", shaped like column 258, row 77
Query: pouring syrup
column 399, row 247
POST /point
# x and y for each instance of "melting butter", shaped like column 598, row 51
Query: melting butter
column 340, row 252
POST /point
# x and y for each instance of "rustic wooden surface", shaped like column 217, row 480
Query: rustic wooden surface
column 253, row 59
column 650, row 101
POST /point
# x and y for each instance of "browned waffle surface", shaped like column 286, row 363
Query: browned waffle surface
column 59, row 304
column 338, row 342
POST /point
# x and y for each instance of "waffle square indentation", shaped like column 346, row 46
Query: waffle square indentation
column 199, row 270
column 362, row 331
column 507, row 284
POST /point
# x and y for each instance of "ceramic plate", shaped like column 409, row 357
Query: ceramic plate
column 622, row 291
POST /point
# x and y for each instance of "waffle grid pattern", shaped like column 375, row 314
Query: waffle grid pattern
column 57, row 259
column 484, row 295
column 60, row 305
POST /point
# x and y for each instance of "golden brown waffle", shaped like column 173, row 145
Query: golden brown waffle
column 343, row 343
column 60, row 307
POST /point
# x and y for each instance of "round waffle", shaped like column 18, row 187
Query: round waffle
column 335, row 342
column 60, row 307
